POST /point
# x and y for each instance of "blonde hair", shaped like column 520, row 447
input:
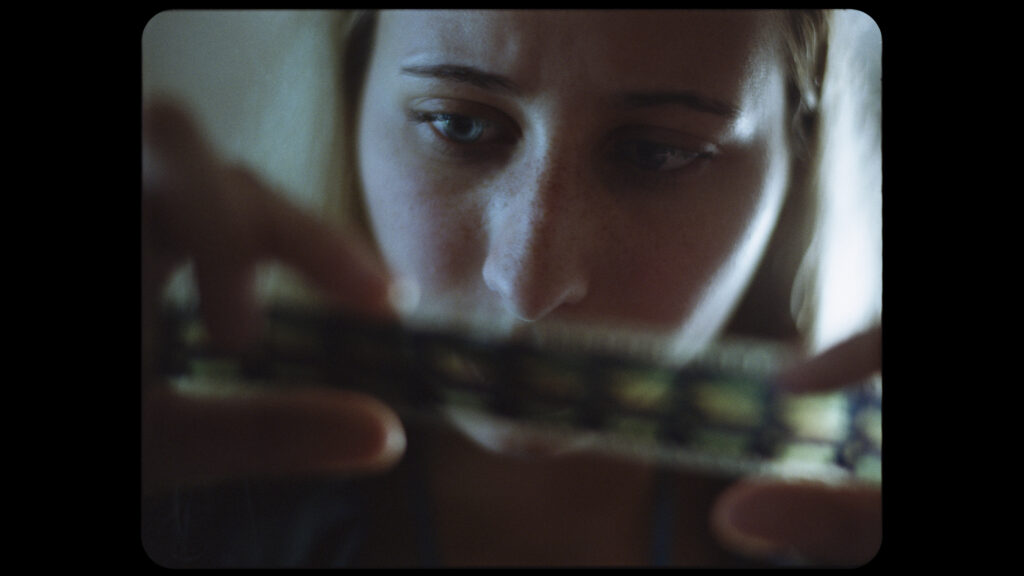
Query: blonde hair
column 355, row 32
column 825, row 257
column 776, row 301
column 847, row 247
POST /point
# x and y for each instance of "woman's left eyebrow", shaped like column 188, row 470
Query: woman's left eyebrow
column 464, row 74
column 694, row 100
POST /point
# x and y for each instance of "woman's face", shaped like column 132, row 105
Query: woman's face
column 601, row 166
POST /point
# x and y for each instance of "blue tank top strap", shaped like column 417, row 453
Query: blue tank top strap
column 662, row 517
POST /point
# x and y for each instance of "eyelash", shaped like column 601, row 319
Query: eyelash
column 657, row 155
column 489, row 138
column 626, row 150
column 432, row 118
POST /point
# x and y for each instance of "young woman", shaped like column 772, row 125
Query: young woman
column 662, row 170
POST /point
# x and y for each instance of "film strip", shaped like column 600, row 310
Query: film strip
column 716, row 412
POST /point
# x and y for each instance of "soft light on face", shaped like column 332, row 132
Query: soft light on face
column 596, row 166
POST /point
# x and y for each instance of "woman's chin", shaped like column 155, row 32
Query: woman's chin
column 506, row 438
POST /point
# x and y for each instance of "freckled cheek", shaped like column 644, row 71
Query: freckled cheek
column 667, row 276
column 692, row 252
column 423, row 232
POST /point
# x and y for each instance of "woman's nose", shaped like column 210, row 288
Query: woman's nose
column 538, row 244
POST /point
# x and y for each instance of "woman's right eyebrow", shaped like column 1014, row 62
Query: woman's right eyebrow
column 464, row 74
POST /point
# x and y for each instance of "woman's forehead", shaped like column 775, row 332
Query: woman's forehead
column 716, row 50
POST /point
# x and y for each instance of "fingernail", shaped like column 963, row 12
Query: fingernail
column 389, row 433
column 353, row 438
column 743, row 527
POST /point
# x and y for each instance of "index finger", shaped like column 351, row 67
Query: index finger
column 208, row 435
column 227, row 220
column 846, row 363
column 340, row 263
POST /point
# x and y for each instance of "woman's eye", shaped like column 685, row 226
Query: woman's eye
column 457, row 128
column 460, row 131
column 657, row 157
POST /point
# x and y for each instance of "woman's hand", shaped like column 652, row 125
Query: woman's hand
column 225, row 221
column 806, row 521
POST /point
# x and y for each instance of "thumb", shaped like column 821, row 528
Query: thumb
column 800, row 521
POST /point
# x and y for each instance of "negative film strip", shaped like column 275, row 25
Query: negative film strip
column 717, row 412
